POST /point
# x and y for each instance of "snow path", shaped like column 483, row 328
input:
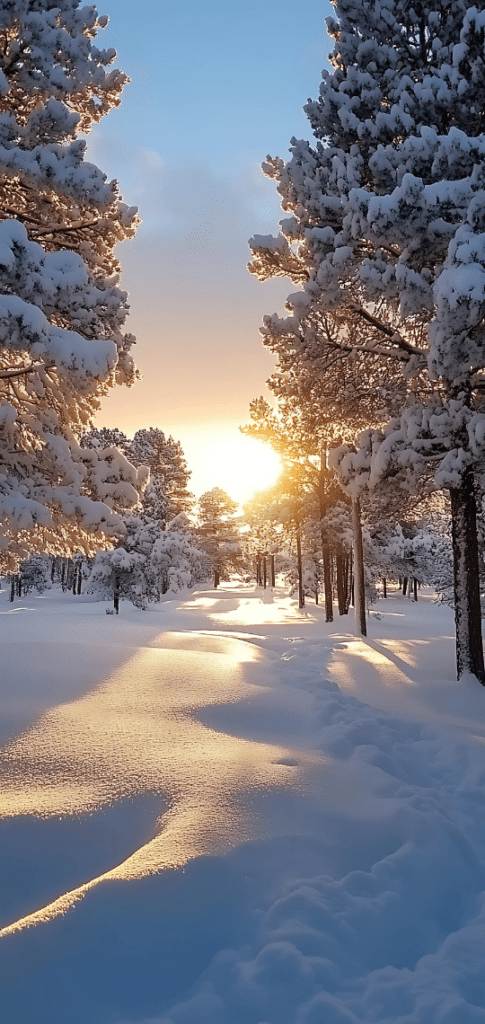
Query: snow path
column 136, row 734
column 270, row 821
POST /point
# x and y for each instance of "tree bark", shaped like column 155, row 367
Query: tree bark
column 327, row 583
column 347, row 575
column 469, row 645
column 273, row 577
column 340, row 580
column 384, row 586
column 358, row 568
column 301, row 596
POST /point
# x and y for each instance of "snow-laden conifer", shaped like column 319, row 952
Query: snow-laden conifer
column 386, row 235
column 62, row 312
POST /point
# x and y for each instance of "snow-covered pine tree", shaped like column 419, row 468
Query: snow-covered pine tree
column 386, row 234
column 61, row 310
column 218, row 532
column 167, row 494
column 151, row 562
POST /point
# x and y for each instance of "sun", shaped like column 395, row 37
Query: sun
column 237, row 464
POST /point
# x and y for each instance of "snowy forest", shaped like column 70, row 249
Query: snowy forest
column 376, row 522
column 377, row 413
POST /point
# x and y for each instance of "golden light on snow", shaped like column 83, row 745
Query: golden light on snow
column 237, row 464
column 138, row 733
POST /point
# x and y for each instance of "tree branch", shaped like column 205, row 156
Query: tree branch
column 388, row 331
column 56, row 228
column 15, row 371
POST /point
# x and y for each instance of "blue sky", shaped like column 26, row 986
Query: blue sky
column 215, row 87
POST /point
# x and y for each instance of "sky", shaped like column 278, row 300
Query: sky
column 214, row 89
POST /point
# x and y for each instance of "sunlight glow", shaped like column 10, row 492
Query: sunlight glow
column 238, row 464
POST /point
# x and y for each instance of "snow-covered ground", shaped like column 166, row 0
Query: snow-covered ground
column 225, row 811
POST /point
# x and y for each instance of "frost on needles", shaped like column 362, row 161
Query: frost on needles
column 61, row 309
column 385, row 235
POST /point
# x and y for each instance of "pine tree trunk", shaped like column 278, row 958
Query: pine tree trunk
column 346, row 584
column 349, row 593
column 340, row 580
column 358, row 568
column 301, row 596
column 469, row 645
column 273, row 577
column 404, row 586
column 327, row 583
column 384, row 586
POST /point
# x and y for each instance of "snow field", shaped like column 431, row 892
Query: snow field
column 361, row 901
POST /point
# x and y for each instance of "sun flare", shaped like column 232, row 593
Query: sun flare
column 238, row 464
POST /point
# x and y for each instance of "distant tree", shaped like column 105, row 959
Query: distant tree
column 300, row 432
column 150, row 562
column 61, row 311
column 107, row 437
column 167, row 493
column 218, row 533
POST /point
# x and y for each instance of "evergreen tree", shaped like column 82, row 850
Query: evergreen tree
column 150, row 562
column 386, row 237
column 218, row 533
column 167, row 494
column 61, row 310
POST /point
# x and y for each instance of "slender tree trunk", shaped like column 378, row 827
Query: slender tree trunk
column 273, row 577
column 12, row 589
column 327, row 583
column 404, row 586
column 358, row 567
column 415, row 588
column 349, row 595
column 301, row 596
column 217, row 578
column 340, row 580
column 384, row 586
column 265, row 575
column 346, row 584
column 469, row 645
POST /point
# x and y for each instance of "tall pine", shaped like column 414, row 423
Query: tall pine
column 386, row 236
column 62, row 344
